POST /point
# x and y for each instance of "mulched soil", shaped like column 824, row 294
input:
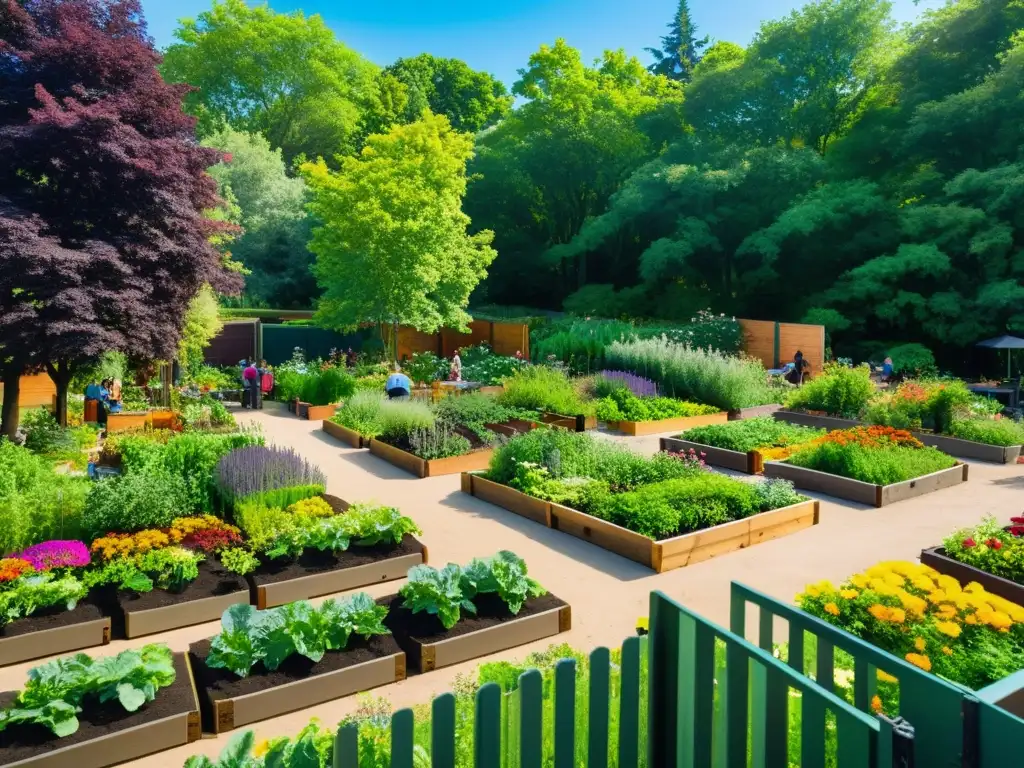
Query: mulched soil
column 20, row 742
column 313, row 561
column 213, row 581
column 216, row 684
column 412, row 629
column 51, row 618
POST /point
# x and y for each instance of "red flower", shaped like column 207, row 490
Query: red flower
column 969, row 542
column 994, row 543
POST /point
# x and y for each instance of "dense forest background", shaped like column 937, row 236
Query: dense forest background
column 838, row 170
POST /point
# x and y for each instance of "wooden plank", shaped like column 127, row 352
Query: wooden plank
column 754, row 412
column 117, row 422
column 823, row 482
column 326, row 583
column 614, row 538
column 185, row 614
column 320, row 412
column 412, row 464
column 308, row 692
column 712, row 456
column 968, row 449
column 816, row 421
column 936, row 481
column 500, row 637
column 509, row 498
column 679, row 424
column 474, row 461
column 805, row 338
column 51, row 642
column 346, row 435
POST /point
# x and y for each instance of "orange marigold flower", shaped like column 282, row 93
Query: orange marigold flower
column 919, row 644
column 897, row 615
column 832, row 608
column 918, row 660
column 970, row 619
column 1000, row 620
column 12, row 568
column 879, row 611
column 949, row 629
column 876, row 704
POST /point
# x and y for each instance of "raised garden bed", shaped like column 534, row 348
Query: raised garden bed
column 678, row 424
column 936, row 557
column 577, row 423
column 751, row 462
column 319, row 412
column 346, row 435
column 302, row 409
column 107, row 734
column 53, row 631
column 204, row 599
column 323, row 573
column 118, row 422
column 660, row 556
column 954, row 446
column 228, row 701
column 429, row 646
column 865, row 493
column 754, row 412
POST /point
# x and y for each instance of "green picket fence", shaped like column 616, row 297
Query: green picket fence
column 933, row 706
column 712, row 699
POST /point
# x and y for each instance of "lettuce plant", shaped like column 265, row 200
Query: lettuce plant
column 365, row 525
column 250, row 636
column 55, row 691
column 438, row 592
column 504, row 574
column 42, row 590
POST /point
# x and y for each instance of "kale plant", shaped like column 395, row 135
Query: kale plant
column 438, row 592
column 504, row 574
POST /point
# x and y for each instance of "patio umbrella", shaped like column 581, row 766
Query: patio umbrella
column 1003, row 342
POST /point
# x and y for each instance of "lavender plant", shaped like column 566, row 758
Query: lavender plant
column 638, row 385
column 274, row 475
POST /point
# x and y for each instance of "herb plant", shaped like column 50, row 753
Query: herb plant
column 150, row 497
column 250, row 636
column 751, row 434
column 538, row 387
column 361, row 412
column 440, row 441
column 277, row 476
column 58, row 690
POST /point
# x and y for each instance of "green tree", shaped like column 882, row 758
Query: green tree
column 680, row 49
column 392, row 244
column 202, row 323
column 272, row 214
column 283, row 75
column 470, row 100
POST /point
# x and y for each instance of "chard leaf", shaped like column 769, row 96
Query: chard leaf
column 232, row 650
column 131, row 698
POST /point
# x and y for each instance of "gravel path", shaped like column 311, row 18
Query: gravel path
column 607, row 593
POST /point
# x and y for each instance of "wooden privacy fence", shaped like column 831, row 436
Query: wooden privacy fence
column 504, row 339
column 35, row 390
column 777, row 343
column 712, row 698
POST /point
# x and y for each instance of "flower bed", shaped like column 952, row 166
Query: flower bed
column 665, row 512
column 93, row 713
column 634, row 415
column 990, row 554
column 560, row 401
column 266, row 663
column 444, row 617
column 743, row 446
column 932, row 620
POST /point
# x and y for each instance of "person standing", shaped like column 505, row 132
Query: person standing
column 455, row 372
column 251, row 379
column 887, row 369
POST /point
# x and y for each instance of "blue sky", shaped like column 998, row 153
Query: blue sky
column 498, row 36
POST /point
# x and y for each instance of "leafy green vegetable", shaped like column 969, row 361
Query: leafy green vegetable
column 365, row 525
column 438, row 592
column 56, row 691
column 250, row 636
column 750, row 434
column 504, row 574
column 43, row 590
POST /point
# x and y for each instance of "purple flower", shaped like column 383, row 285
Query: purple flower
column 638, row 385
column 56, row 554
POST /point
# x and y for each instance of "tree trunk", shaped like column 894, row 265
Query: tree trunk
column 61, row 373
column 9, row 412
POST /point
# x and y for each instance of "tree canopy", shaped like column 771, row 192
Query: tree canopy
column 391, row 243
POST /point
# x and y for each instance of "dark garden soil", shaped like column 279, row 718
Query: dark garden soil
column 20, row 742
column 53, row 617
column 410, row 628
column 213, row 581
column 215, row 684
column 313, row 561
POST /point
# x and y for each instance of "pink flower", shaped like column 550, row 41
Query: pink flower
column 56, row 554
column 969, row 542
column 995, row 543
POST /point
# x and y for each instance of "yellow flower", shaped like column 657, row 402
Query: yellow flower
column 879, row 611
column 919, row 661
column 894, row 579
column 936, row 597
column 946, row 612
column 860, row 581
column 949, row 584
column 848, row 594
column 261, row 749
column 876, row 704
column 811, row 591
column 970, row 619
column 832, row 608
column 999, row 620
column 897, row 615
column 923, row 583
column 912, row 603
column 974, row 587
column 947, row 650
column 885, row 677
column 919, row 644
column 949, row 629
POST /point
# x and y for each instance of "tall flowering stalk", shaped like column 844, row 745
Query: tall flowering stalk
column 638, row 385
column 257, row 469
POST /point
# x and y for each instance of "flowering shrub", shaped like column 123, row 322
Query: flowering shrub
column 960, row 632
column 203, row 532
column 481, row 365
column 56, row 554
column 12, row 568
column 872, row 437
column 991, row 547
column 638, row 385
column 311, row 508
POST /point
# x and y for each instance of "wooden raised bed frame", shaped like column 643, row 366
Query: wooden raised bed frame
column 185, row 614
column 329, row 582
column 128, row 744
column 642, row 428
column 577, row 423
column 484, row 642
column 117, row 422
column 866, row 493
column 243, row 710
column 936, row 557
column 954, row 446
column 319, row 412
column 346, row 435
column 474, row 460
column 751, row 462
column 52, row 642
column 660, row 556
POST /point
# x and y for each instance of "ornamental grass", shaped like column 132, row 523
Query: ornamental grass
column 960, row 632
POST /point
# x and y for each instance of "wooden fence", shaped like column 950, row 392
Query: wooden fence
column 35, row 390
column 504, row 339
column 777, row 343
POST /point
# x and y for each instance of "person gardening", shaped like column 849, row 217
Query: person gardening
column 398, row 386
column 251, row 378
